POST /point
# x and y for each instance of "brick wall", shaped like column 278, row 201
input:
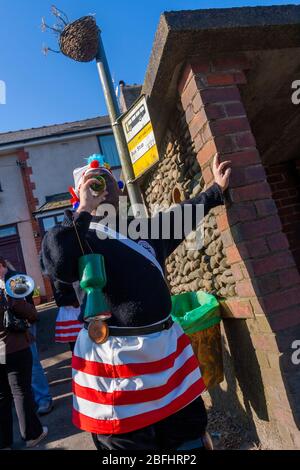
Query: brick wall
column 188, row 270
column 261, row 379
column 33, row 203
column 284, row 180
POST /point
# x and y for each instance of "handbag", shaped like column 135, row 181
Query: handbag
column 11, row 323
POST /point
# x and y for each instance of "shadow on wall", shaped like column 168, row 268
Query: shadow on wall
column 290, row 371
column 284, row 180
column 241, row 370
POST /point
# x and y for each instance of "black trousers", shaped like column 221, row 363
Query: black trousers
column 15, row 385
column 180, row 431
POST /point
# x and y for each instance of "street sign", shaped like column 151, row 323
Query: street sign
column 140, row 138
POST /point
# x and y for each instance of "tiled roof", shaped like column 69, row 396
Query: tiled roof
column 55, row 202
column 56, row 129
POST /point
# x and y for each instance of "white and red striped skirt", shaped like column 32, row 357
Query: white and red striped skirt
column 131, row 382
column 67, row 325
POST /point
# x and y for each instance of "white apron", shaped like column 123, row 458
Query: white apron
column 130, row 382
column 67, row 325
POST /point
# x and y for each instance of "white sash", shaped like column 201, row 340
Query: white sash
column 130, row 243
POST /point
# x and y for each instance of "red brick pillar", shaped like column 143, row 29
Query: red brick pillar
column 267, row 281
column 32, row 203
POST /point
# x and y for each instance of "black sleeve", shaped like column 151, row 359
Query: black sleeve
column 180, row 221
column 64, row 294
column 61, row 248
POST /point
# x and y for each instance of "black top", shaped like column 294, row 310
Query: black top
column 64, row 294
column 136, row 291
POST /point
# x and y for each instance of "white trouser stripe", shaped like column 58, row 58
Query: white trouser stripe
column 94, row 410
column 132, row 383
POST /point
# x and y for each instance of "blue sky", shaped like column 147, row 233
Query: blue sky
column 54, row 89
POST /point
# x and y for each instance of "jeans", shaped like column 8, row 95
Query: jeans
column 39, row 381
column 15, row 384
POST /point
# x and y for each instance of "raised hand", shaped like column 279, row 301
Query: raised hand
column 221, row 172
column 88, row 202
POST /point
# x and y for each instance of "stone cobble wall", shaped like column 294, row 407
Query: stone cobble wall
column 206, row 269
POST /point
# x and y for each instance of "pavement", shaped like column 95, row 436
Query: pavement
column 56, row 361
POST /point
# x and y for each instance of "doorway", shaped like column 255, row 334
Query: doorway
column 10, row 247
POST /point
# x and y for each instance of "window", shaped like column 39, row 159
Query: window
column 109, row 149
column 47, row 223
column 60, row 218
column 8, row 231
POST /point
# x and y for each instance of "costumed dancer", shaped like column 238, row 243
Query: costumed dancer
column 67, row 325
column 136, row 384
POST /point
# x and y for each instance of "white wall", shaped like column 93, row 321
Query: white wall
column 14, row 210
column 13, row 205
column 30, row 254
column 53, row 164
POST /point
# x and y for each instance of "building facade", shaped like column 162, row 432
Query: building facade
column 36, row 168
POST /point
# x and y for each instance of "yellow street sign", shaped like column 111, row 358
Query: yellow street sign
column 140, row 137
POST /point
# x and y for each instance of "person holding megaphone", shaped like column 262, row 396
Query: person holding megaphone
column 16, row 365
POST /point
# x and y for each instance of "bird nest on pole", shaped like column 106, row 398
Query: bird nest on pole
column 79, row 40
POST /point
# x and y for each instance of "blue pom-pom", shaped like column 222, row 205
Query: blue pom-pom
column 98, row 157
column 120, row 184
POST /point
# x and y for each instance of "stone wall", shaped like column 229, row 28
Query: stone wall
column 207, row 269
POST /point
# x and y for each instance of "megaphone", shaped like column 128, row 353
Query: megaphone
column 92, row 281
column 19, row 286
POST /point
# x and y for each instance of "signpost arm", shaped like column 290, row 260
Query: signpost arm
column 134, row 191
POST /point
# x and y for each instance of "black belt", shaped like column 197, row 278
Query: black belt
column 138, row 331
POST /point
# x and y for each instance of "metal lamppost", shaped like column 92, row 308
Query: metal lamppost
column 112, row 104
column 81, row 41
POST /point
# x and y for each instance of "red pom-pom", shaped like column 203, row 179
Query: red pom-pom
column 94, row 164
